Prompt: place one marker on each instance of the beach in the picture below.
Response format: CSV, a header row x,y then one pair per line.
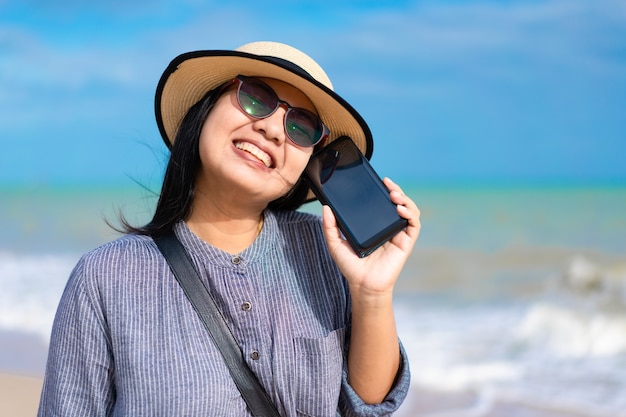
x,y
429,403
471,356
22,361
513,303
19,395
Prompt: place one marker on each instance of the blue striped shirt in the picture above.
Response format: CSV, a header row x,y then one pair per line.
x,y
126,341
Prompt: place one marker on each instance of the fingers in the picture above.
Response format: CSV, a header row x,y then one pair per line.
x,y
328,218
339,248
329,223
407,208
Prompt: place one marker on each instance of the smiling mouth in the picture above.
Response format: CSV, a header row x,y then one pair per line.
x,y
255,151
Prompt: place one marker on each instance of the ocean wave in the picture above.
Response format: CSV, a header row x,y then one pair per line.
x,y
572,332
582,314
30,290
536,353
597,285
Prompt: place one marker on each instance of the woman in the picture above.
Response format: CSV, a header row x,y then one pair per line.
x,y
313,320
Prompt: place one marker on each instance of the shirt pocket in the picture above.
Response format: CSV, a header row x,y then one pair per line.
x,y
317,373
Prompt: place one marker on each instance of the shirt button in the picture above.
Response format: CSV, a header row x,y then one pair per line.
x,y
246,306
255,355
235,260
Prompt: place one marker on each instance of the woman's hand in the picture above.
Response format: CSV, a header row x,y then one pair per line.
x,y
374,352
378,272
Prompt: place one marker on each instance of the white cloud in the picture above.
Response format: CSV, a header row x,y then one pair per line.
x,y
449,33
446,46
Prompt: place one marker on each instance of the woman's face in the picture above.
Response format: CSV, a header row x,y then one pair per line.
x,y
243,156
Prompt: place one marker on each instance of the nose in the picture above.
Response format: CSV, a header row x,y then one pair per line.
x,y
273,126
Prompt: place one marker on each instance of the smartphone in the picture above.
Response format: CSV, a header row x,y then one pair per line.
x,y
342,178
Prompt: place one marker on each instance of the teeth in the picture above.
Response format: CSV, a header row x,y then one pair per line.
x,y
253,150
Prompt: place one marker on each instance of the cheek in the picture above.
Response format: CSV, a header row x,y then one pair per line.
x,y
223,118
298,159
216,130
204,143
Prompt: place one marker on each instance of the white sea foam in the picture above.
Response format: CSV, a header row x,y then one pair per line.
x,y
565,350
571,332
584,313
459,348
30,289
594,285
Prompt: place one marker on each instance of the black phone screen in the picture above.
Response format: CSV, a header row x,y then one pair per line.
x,y
342,177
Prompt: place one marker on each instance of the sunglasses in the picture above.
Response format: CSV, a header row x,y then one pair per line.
x,y
257,99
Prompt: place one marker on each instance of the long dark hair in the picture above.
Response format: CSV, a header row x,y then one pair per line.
x,y
179,182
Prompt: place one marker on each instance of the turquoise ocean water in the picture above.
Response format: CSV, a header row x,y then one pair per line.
x,y
514,293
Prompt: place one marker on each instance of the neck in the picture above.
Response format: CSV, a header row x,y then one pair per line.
x,y
231,229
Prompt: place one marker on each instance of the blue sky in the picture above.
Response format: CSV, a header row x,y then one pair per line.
x,y
454,91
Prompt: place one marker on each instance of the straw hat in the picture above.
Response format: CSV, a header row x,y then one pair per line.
x,y
191,75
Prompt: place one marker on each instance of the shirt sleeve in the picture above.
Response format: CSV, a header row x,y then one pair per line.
x,y
79,371
351,405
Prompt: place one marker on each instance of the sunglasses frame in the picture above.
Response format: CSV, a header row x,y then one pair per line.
x,y
241,79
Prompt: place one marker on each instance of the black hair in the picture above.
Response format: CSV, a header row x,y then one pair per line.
x,y
179,183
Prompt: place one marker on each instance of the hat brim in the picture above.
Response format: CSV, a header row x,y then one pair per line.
x,y
191,75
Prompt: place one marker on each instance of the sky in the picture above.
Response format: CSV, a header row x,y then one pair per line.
x,y
453,90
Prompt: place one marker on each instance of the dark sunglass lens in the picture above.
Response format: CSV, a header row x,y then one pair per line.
x,y
256,98
303,127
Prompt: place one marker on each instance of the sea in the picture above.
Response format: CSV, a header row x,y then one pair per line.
x,y
513,293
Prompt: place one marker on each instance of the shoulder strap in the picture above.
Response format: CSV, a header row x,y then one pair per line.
x,y
187,276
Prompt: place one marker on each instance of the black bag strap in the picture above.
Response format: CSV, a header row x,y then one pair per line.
x,y
187,276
